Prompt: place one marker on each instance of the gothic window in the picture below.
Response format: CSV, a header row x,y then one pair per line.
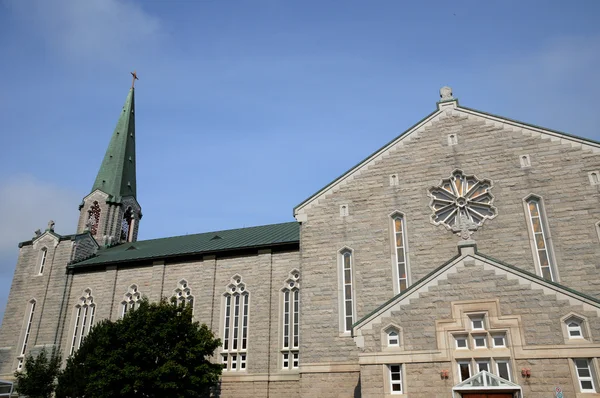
x,y
594,177
83,319
235,326
43,257
28,323
541,239
400,253
290,355
183,294
131,300
94,218
127,226
462,201
575,329
393,338
347,287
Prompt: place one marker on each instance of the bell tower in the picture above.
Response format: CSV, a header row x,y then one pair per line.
x,y
111,212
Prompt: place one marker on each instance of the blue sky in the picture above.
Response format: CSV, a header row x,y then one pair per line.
x,y
246,108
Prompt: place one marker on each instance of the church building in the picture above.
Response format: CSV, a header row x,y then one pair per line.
x,y
461,259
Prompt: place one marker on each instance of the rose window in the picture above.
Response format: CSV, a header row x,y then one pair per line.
x,y
462,201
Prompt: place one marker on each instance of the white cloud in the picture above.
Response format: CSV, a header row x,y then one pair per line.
x,y
98,30
28,204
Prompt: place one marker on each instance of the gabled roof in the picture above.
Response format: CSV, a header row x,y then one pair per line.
x,y
265,236
437,273
448,107
116,176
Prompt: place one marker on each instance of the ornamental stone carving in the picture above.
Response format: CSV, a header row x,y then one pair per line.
x,y
446,93
462,203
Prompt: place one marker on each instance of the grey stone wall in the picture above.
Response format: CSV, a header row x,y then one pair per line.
x,y
558,174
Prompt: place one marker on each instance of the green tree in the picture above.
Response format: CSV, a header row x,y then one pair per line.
x,y
154,351
38,377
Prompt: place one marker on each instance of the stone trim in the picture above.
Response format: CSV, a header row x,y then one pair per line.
x,y
330,367
232,377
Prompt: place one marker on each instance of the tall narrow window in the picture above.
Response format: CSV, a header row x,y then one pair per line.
x,y
183,294
290,355
401,266
94,218
127,226
584,375
131,300
28,323
235,326
540,238
85,311
347,304
43,256
395,373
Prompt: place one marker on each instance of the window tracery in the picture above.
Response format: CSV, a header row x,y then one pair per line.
x,y
127,225
400,252
541,239
131,299
28,324
84,319
462,198
290,346
94,218
43,257
347,290
235,325
183,294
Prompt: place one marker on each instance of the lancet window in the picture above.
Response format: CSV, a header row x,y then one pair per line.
x,y
235,325
83,319
290,355
183,294
400,252
127,226
94,217
541,238
347,287
28,325
131,300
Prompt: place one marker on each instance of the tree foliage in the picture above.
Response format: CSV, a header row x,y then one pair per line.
x,y
38,377
154,351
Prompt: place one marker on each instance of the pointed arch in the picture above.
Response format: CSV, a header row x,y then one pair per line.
x,y
43,258
540,237
290,321
183,294
400,260
235,322
346,292
83,319
131,299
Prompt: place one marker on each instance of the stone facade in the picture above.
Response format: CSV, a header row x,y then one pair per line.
x,y
499,279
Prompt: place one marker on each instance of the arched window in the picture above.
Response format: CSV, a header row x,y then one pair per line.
x,y
94,218
400,270
541,238
27,327
347,309
290,356
127,226
83,319
183,294
43,258
235,325
131,299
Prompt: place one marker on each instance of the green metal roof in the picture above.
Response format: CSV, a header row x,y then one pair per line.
x,y
264,236
116,176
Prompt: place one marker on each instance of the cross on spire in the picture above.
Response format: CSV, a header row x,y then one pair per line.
x,y
134,78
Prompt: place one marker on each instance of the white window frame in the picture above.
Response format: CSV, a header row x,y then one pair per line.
x,y
479,337
346,328
499,335
577,328
390,338
27,332
290,322
396,263
235,325
581,379
545,234
508,368
392,382
84,315
483,361
463,362
477,317
43,259
464,338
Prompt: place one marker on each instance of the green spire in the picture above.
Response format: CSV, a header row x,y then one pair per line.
x,y
116,176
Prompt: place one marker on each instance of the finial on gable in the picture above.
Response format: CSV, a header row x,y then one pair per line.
x,y
446,94
50,226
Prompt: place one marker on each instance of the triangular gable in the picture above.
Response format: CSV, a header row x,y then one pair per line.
x,y
469,253
448,108
485,381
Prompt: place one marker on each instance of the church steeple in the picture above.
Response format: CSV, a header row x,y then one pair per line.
x,y
111,211
116,176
